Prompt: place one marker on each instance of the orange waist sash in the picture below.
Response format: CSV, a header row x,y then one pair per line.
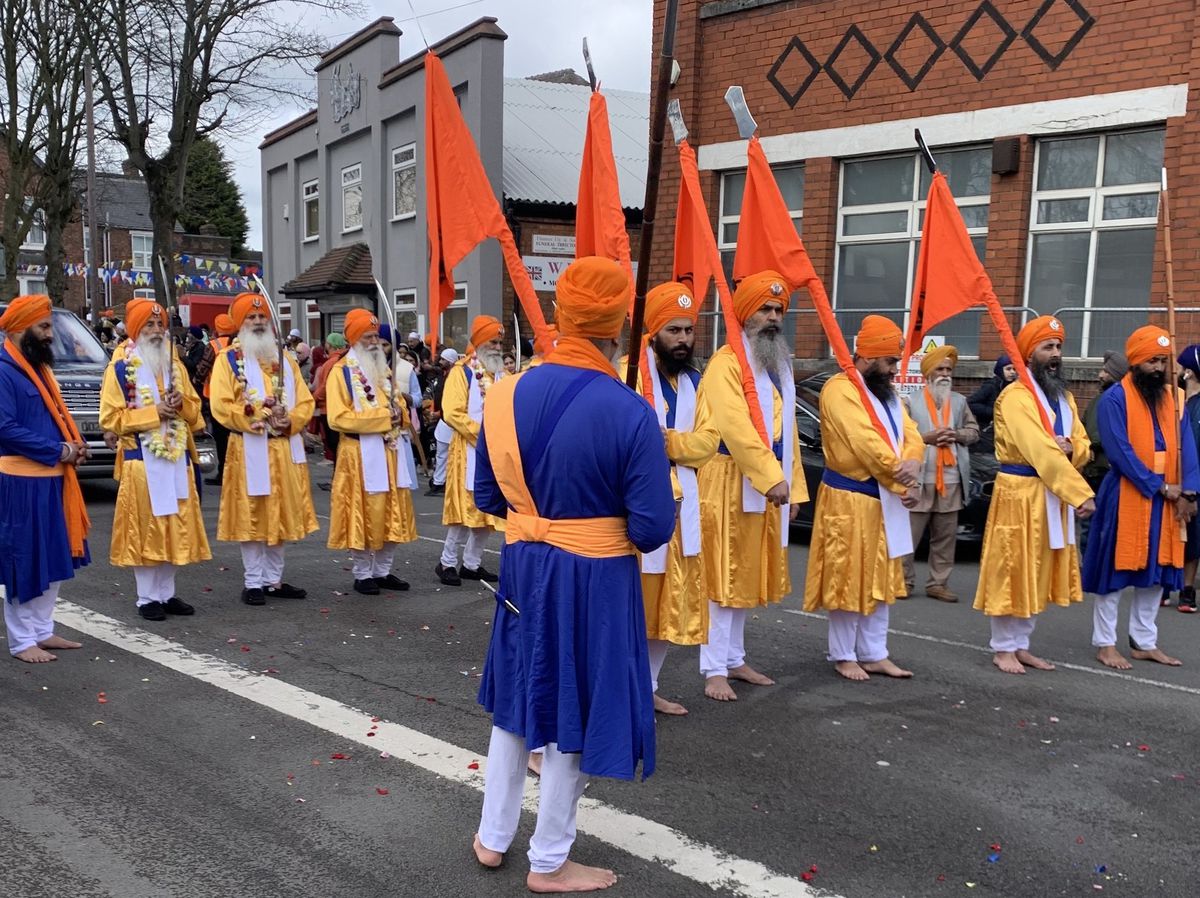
x,y
20,466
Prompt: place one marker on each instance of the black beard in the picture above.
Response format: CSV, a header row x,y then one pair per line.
x,y
1050,379
1151,384
670,361
36,351
880,384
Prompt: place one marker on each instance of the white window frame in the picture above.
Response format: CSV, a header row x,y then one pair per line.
x,y
403,158
1095,222
143,293
134,236
25,284
37,227
351,177
460,301
405,302
310,192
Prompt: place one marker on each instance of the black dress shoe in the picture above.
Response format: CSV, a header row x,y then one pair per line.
x,y
152,611
392,582
285,591
254,596
436,489
480,573
448,575
175,605
367,587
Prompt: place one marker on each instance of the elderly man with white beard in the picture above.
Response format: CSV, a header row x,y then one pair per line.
x,y
948,428
149,402
265,496
463,399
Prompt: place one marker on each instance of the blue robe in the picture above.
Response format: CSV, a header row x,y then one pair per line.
x,y
34,548
1099,572
573,667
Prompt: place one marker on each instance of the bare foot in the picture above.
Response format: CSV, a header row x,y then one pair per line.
x,y
35,655
571,877
1155,655
748,674
851,671
887,667
673,709
718,689
486,856
1110,657
1007,662
535,763
57,642
1031,660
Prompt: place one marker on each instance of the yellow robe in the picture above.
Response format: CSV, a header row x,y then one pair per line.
x,y
848,564
1019,574
358,519
138,537
745,564
459,506
287,513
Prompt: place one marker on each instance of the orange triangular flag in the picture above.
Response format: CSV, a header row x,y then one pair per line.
x,y
599,216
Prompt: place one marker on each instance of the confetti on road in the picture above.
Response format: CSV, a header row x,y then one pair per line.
x,y
380,791
339,756
474,765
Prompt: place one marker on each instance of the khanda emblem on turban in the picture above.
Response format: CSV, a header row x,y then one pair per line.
x,y
1054,324
685,301
1164,341
257,304
777,289
156,309
374,321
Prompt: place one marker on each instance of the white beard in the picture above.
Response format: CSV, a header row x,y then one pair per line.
x,y
940,390
155,353
492,360
769,352
262,346
373,363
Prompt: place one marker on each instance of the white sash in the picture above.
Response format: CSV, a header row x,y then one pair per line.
x,y
167,481
1054,518
689,514
372,449
254,445
475,413
754,502
896,526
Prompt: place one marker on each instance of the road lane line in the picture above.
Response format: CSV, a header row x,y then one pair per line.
x,y
638,836
1100,672
434,539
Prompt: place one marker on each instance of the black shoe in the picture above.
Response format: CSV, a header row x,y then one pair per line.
x,y
1187,600
480,573
215,480
176,605
367,587
153,611
436,489
391,582
285,591
448,575
254,596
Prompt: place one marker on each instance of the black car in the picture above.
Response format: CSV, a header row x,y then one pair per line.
x,y
971,519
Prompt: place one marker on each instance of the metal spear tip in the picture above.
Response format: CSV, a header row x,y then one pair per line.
x,y
587,60
675,117
735,97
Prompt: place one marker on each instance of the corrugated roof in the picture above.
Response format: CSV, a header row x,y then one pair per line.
x,y
544,126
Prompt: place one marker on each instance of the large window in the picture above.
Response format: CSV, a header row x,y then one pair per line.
x,y
36,238
454,327
880,215
408,319
27,285
404,182
352,198
142,246
1092,231
312,210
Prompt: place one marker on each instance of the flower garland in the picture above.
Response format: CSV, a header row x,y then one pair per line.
x,y
256,408
364,392
169,442
483,376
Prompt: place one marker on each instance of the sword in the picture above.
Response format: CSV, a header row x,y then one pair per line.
x,y
587,60
278,325
166,285
517,338
735,97
387,306
507,604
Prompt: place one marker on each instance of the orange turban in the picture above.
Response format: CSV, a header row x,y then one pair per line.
x,y
1147,342
484,329
137,314
1038,331
224,325
243,305
757,290
593,299
24,312
878,338
358,323
935,357
669,301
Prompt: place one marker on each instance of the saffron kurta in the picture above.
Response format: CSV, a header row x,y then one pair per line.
x,y
848,564
1019,574
572,668
358,519
139,538
745,562
287,513
459,504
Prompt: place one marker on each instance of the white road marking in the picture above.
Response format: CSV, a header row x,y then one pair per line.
x,y
630,833
1097,671
434,539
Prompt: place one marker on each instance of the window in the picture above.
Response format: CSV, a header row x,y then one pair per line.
x,y
407,317
1092,230
404,182
453,329
143,251
352,196
31,286
36,238
880,215
312,209
143,294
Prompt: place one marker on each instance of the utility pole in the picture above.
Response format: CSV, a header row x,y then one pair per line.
x,y
93,225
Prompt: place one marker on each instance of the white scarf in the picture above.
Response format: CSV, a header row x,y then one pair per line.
x,y
166,480
689,514
896,527
406,374
254,445
372,448
1054,516
754,502
475,413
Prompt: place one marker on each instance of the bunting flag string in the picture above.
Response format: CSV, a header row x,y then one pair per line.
x,y
119,275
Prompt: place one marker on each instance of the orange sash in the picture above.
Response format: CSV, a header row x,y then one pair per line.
x,y
74,508
1134,509
20,466
945,454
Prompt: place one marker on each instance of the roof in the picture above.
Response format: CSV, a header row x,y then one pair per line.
x,y
307,120
484,27
544,127
382,25
122,201
344,269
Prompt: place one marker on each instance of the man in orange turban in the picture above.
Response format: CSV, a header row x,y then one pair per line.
x,y
947,428
861,528
1144,502
224,326
43,521
463,396
1029,559
753,486
265,499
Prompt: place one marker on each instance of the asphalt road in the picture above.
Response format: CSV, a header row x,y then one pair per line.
x,y
207,768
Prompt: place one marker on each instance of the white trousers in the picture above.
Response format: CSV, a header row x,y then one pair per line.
x,y
726,646
1011,634
1143,618
155,583
29,623
439,464
561,786
859,637
263,565
471,539
373,564
658,654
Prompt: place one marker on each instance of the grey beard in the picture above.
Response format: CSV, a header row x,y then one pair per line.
x,y
492,361
373,364
940,391
156,355
262,347
769,351
1053,383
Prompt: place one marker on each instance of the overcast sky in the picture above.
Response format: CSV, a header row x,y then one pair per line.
x,y
543,35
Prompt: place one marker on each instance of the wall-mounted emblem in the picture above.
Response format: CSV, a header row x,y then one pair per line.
x,y
345,91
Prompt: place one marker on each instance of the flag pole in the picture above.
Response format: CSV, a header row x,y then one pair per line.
x,y
1172,365
658,122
